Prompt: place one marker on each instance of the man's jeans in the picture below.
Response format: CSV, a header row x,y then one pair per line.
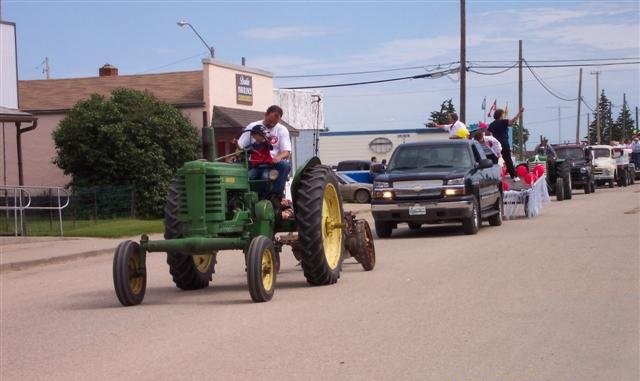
x,y
261,172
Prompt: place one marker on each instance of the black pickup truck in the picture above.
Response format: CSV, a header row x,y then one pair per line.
x,y
435,182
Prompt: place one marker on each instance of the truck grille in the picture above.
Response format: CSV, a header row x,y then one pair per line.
x,y
417,189
213,201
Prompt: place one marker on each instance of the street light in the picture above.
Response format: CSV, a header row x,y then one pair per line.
x,y
182,23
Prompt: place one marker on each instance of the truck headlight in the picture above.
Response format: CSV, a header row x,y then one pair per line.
x,y
381,185
456,181
583,170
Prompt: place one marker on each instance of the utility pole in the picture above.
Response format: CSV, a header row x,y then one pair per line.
x,y
624,116
588,126
637,121
463,63
521,121
579,103
597,74
46,70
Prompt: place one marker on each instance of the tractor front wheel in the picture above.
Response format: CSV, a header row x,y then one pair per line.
x,y
129,273
318,212
559,189
189,272
261,269
366,251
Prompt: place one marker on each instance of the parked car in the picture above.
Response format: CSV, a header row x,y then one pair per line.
x,y
353,191
434,182
358,170
605,167
580,162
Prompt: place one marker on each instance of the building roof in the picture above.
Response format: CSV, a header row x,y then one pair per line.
x,y
227,117
385,132
15,115
178,88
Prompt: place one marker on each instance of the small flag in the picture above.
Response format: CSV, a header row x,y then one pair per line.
x,y
484,104
493,107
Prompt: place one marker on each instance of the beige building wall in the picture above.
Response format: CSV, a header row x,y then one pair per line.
x,y
38,153
339,147
220,86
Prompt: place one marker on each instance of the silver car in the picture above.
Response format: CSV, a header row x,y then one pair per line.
x,y
353,191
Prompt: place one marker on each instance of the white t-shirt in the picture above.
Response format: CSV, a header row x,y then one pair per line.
x,y
278,137
493,144
453,129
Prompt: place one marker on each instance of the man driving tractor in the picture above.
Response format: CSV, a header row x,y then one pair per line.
x,y
277,136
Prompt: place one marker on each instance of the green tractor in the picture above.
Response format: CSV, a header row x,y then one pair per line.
x,y
212,205
558,175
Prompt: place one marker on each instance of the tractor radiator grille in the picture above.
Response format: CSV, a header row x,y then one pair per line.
x,y
213,201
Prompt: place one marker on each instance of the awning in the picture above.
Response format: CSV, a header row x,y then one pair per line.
x,y
227,117
12,115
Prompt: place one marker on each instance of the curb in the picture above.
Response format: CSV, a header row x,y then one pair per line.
x,y
18,266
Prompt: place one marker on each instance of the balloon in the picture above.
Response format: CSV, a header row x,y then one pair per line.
x,y
505,185
528,178
483,126
462,133
521,170
539,168
504,171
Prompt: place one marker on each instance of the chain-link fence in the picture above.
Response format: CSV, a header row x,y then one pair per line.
x,y
35,212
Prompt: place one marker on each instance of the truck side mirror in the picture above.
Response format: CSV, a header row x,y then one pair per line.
x,y
485,163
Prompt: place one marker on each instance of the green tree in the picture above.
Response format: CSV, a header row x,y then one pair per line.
x,y
515,130
130,138
606,122
624,126
441,117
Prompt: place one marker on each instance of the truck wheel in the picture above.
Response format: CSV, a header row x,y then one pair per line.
x,y
362,196
496,219
129,281
471,224
383,229
559,189
587,187
593,185
189,272
261,269
366,251
319,221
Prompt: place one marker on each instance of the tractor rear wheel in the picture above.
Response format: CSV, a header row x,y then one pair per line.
x,y
129,276
189,272
318,213
261,269
559,189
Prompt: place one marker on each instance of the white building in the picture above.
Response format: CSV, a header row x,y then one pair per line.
x,y
362,145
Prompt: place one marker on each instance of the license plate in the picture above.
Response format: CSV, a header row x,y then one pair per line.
x,y
417,210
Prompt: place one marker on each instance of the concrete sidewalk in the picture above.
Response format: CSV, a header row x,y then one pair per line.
x,y
17,253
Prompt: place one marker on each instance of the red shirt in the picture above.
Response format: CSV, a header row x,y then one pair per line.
x,y
260,154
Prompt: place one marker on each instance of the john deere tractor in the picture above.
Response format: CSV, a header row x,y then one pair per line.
x,y
213,205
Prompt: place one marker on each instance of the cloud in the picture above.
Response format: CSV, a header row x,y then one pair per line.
x,y
601,36
286,32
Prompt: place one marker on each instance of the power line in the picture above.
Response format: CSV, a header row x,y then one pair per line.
x,y
419,76
495,73
436,66
563,65
567,60
172,63
545,86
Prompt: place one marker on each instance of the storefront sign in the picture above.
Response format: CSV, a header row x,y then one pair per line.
x,y
244,90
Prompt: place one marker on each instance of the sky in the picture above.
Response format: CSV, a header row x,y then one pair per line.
x,y
319,37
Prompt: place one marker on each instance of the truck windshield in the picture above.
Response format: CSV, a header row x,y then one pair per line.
x,y
431,158
574,153
601,152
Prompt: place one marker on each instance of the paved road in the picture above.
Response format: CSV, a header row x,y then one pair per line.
x,y
553,298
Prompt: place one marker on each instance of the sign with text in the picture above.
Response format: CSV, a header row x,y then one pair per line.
x,y
244,90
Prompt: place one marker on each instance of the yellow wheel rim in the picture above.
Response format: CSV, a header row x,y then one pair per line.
x,y
268,270
331,226
202,262
135,279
